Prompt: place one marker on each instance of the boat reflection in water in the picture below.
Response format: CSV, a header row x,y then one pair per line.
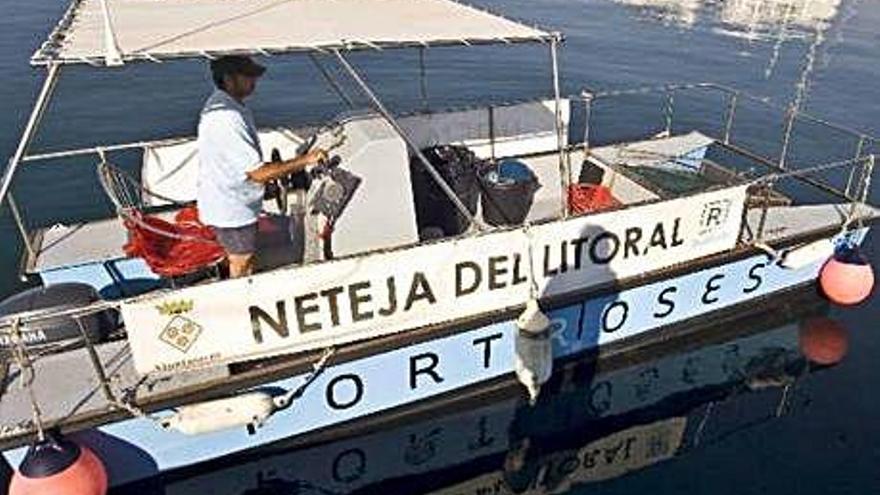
x,y
598,419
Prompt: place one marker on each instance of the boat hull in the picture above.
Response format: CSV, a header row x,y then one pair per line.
x,y
670,385
138,448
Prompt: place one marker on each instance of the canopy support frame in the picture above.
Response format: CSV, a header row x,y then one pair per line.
x,y
112,54
334,85
18,219
97,41
30,130
423,78
587,98
564,169
435,175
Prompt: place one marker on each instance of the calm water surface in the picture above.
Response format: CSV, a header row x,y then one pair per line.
x,y
766,47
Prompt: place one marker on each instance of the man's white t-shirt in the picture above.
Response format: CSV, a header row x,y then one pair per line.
x,y
228,147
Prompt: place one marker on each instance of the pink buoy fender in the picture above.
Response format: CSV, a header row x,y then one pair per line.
x,y
847,278
58,466
823,340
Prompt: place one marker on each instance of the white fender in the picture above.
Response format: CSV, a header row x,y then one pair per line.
x,y
534,350
532,320
801,256
247,410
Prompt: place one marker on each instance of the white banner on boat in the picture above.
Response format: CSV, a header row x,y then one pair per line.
x,y
314,306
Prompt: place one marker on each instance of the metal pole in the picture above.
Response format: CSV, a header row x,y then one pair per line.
x,y
29,129
19,223
423,78
96,363
731,112
668,112
492,133
868,172
786,137
862,195
112,54
764,208
332,82
109,148
852,170
564,174
415,149
27,377
588,114
774,166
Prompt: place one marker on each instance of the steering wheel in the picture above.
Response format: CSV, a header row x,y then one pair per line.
x,y
279,188
306,145
301,180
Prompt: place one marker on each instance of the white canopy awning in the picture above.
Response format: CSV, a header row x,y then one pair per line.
x,y
115,31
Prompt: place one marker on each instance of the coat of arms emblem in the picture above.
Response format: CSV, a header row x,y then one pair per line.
x,y
180,332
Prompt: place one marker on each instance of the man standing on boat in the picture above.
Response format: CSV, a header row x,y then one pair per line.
x,y
232,173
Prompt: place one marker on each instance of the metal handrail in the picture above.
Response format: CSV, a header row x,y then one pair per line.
x,y
38,315
728,90
865,160
132,145
735,97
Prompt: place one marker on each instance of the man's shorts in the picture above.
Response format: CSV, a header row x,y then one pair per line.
x,y
238,240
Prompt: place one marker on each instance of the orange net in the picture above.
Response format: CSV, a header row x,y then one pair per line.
x,y
172,249
583,198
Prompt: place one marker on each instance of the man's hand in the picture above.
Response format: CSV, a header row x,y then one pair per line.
x,y
318,155
275,170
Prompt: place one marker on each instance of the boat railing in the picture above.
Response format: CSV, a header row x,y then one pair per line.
x,y
310,125
844,177
735,101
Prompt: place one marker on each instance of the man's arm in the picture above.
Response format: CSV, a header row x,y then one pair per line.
x,y
274,170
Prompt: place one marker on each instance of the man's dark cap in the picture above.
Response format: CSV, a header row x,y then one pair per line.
x,y
235,64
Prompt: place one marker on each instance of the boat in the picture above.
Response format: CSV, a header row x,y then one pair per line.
x,y
601,419
435,251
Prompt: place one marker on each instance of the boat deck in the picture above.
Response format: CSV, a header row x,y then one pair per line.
x,y
66,385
